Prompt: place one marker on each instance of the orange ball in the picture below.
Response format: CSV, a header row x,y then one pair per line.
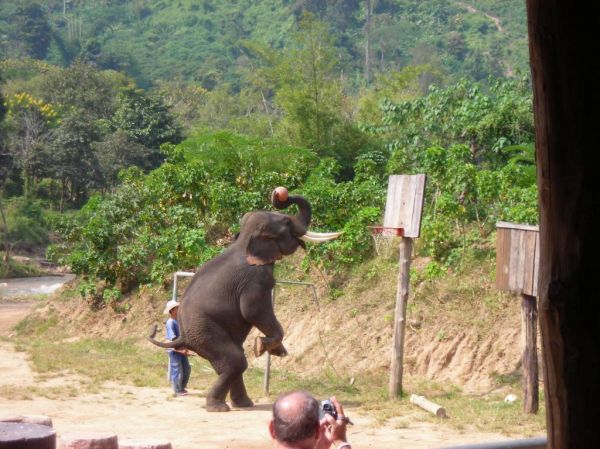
x,y
281,193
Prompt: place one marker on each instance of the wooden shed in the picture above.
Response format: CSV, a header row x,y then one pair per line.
x,y
517,258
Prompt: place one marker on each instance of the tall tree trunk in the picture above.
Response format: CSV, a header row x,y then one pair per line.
x,y
368,42
6,244
565,72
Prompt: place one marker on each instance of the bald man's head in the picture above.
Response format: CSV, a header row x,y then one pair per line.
x,y
295,417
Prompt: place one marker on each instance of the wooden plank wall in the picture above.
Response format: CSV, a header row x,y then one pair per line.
x,y
517,258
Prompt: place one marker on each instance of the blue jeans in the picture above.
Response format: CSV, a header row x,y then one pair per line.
x,y
180,371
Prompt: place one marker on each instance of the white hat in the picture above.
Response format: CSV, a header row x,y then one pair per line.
x,y
170,305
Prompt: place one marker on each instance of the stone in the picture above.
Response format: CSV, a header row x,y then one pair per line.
x,y
89,440
16,435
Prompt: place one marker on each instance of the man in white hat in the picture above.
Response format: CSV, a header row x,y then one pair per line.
x,y
178,359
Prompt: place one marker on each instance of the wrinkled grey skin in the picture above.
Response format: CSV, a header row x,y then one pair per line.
x,y
232,293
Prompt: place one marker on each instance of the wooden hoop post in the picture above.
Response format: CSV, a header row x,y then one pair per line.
x,y
529,360
402,289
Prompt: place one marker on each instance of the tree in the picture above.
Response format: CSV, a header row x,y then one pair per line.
x,y
83,88
5,163
315,106
308,91
33,30
29,121
145,119
72,159
117,152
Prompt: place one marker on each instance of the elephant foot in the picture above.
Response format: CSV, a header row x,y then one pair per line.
x,y
278,351
242,403
214,405
260,347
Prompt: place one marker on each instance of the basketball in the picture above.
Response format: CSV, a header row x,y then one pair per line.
x,y
281,193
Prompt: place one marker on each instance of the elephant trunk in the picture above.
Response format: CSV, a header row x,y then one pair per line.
x,y
304,210
303,218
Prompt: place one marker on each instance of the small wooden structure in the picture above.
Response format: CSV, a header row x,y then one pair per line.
x,y
403,210
517,266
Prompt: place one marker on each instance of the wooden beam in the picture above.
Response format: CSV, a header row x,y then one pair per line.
x,y
564,45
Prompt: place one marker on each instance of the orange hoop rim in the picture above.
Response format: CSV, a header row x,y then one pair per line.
x,y
386,230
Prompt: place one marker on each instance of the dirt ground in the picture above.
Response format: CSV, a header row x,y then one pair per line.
x,y
133,412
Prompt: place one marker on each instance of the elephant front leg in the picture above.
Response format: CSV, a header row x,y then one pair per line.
x,y
257,309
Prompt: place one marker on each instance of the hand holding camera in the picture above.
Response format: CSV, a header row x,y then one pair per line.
x,y
328,408
333,425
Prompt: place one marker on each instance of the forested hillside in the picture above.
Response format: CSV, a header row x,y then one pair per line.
x,y
205,41
135,134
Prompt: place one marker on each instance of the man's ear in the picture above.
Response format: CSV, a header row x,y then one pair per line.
x,y
261,250
272,429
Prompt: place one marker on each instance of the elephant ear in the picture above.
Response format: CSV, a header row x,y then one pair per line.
x,y
262,250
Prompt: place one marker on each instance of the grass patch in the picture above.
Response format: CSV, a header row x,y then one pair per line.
x,y
30,393
128,363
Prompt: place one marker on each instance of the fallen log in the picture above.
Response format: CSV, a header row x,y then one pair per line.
x,y
431,407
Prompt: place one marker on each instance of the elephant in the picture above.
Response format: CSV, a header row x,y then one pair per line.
x,y
231,293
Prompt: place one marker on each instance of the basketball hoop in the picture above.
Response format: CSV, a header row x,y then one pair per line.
x,y
386,240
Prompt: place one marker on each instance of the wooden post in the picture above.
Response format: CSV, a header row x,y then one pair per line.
x,y
562,36
529,360
406,245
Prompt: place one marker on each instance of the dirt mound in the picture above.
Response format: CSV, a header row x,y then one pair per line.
x,y
353,339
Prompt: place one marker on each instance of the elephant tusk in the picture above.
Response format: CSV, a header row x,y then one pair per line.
x,y
320,235
308,238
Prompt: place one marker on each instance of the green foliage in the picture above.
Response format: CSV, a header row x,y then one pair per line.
x,y
200,41
32,29
348,205
172,218
474,147
144,119
73,133
26,222
487,122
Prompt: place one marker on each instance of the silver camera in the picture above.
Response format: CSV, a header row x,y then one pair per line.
x,y
327,407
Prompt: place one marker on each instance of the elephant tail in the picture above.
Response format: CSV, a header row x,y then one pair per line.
x,y
178,343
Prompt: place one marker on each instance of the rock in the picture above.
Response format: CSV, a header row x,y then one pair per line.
x,y
509,399
144,443
16,435
89,440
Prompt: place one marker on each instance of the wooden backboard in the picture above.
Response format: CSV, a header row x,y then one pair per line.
x,y
404,205
517,258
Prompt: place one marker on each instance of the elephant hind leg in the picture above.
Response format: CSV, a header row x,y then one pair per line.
x,y
229,364
238,394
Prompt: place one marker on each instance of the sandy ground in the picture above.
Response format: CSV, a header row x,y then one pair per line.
x,y
132,412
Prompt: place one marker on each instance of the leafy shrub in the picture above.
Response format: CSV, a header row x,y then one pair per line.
x,y
27,224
